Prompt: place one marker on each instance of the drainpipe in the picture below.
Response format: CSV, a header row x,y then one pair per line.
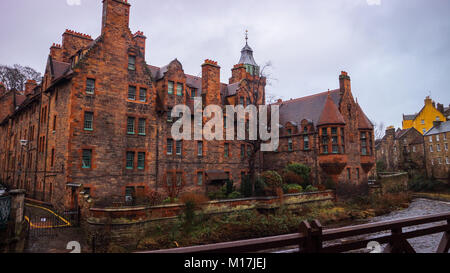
x,y
46,142
37,146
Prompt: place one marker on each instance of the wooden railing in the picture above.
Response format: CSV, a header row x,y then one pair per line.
x,y
312,238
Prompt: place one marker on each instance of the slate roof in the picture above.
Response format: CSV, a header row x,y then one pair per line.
x,y
409,117
442,128
330,113
309,107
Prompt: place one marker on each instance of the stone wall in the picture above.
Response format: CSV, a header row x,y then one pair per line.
x,y
127,225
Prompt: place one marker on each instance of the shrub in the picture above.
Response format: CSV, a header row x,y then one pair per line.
x,y
311,188
290,177
303,171
234,195
272,180
192,202
420,184
246,187
381,166
292,188
329,184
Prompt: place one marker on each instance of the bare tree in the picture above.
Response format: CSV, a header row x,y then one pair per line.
x,y
14,77
254,85
379,130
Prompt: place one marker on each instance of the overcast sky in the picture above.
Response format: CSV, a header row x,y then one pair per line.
x,y
396,51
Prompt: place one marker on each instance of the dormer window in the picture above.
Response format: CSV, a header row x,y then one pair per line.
x,y
131,62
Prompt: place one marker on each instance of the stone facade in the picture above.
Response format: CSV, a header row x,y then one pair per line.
x,y
329,132
401,150
436,142
99,124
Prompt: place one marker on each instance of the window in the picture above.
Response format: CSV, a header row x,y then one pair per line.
x,y
52,161
306,142
431,148
444,136
242,150
179,144
438,119
430,139
194,92
241,100
424,131
129,195
88,121
363,143
169,115
305,130
142,94
438,147
414,149
130,160
422,121
199,178
54,124
132,92
249,150
357,173
170,87
437,137
290,145
446,146
130,125
131,62
179,179
179,89
141,160
90,86
87,159
447,160
224,122
141,126
226,149
289,131
200,148
432,162
439,160
169,179
170,146
349,175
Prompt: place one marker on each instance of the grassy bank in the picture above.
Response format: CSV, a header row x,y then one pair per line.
x,y
206,229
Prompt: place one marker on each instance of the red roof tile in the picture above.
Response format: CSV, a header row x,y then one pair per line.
x,y
330,113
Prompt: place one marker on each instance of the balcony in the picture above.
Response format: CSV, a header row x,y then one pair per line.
x,y
367,162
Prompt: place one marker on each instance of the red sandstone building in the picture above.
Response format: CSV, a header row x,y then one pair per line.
x,y
99,123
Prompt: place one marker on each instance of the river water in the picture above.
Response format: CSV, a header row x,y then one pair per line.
x,y
419,207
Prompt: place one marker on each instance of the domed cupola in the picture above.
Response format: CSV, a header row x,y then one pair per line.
x,y
247,58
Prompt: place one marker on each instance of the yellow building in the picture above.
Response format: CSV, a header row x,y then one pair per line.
x,y
423,121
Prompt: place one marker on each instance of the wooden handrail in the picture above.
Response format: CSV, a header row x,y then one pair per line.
x,y
311,237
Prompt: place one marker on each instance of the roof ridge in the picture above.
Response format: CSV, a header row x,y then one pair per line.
x,y
309,96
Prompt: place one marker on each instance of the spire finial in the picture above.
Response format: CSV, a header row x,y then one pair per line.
x,y
246,36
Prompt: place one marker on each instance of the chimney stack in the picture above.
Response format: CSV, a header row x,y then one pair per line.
x,y
30,85
344,83
211,82
116,15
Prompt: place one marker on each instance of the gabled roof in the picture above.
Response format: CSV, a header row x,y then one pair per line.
x,y
443,127
310,107
409,117
330,113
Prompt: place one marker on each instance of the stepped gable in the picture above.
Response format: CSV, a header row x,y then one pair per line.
x,y
309,107
330,113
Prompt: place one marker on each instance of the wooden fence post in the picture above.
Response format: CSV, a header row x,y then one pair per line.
x,y
444,245
305,245
317,236
398,244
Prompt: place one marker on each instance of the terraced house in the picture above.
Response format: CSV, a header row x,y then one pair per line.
x,y
100,123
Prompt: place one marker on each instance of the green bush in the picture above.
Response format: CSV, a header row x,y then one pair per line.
x,y
311,188
272,180
246,187
303,171
381,166
234,195
421,184
292,188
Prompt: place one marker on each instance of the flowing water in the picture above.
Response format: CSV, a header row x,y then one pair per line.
x,y
419,207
